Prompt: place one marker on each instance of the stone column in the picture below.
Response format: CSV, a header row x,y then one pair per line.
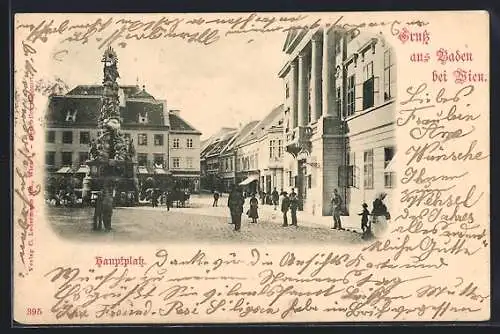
x,y
328,89
303,104
293,94
316,55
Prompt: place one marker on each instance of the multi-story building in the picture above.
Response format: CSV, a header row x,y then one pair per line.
x,y
210,158
184,144
339,117
259,154
227,157
72,124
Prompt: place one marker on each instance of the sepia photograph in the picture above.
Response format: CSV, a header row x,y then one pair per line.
x,y
307,158
243,168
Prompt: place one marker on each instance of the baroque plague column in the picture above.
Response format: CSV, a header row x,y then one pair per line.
x,y
111,157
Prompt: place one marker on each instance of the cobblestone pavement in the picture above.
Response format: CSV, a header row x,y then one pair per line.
x,y
199,222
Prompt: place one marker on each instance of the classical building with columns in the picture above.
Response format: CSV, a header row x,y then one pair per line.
x,y
339,117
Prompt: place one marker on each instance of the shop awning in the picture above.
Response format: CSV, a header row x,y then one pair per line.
x,y
83,169
160,171
64,170
142,170
248,180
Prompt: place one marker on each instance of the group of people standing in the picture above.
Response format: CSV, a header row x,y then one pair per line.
x,y
236,201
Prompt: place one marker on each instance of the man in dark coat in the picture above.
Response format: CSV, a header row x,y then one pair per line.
x,y
107,209
275,197
294,205
336,208
285,204
235,203
98,218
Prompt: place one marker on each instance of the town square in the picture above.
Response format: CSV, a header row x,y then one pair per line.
x,y
314,164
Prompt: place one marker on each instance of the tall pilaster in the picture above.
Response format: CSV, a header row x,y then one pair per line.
x,y
293,94
328,74
303,103
316,73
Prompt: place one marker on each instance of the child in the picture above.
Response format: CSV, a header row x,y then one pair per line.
x,y
364,217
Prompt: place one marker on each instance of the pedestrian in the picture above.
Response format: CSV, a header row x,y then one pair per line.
x,y
380,214
275,197
154,198
253,211
235,203
285,204
216,198
364,217
336,207
97,225
294,205
107,209
168,200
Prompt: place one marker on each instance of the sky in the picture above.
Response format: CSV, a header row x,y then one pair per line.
x,y
226,83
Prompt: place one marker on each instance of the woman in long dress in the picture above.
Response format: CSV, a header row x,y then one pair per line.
x,y
253,211
379,215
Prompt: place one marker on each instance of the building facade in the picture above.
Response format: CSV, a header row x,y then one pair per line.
x,y
210,159
339,131
259,155
184,144
71,124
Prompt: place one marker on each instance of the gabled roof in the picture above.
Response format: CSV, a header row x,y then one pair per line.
x,y
85,101
209,141
218,143
272,120
142,95
177,123
243,132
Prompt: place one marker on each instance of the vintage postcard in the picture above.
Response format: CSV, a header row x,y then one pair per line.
x,y
251,167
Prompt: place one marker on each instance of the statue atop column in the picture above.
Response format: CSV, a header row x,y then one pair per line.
x,y
110,138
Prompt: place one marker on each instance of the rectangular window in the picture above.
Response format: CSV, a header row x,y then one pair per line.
x,y
389,176
142,139
51,136
387,75
158,159
271,148
287,90
280,148
142,159
368,169
368,86
67,158
82,157
351,95
67,137
50,158
84,137
158,139
289,179
230,164
189,162
175,143
309,181
189,143
176,162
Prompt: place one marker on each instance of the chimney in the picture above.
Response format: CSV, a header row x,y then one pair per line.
x,y
165,112
175,111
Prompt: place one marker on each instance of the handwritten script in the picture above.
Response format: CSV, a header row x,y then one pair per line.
x,y
295,285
